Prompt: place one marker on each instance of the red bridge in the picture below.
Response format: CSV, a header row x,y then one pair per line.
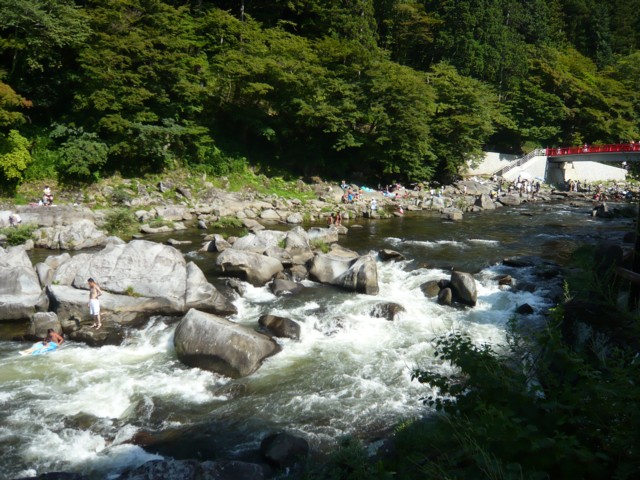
x,y
618,152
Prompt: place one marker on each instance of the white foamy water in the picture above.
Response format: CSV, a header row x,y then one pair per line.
x,y
350,373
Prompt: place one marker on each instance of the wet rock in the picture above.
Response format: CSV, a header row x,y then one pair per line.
x,y
430,289
358,274
202,225
280,326
524,261
452,214
111,333
164,469
464,288
285,287
297,273
212,343
284,450
445,296
385,255
505,280
57,476
524,309
387,310
231,470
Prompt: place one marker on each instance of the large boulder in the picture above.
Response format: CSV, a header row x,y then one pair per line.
x,y
362,276
212,343
430,288
70,304
20,292
359,274
156,273
202,295
464,288
255,268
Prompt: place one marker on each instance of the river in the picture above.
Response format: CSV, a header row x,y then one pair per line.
x,y
349,374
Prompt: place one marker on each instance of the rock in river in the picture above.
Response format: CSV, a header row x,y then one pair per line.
x,y
212,343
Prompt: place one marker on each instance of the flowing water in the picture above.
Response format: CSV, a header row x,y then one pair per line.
x,y
350,374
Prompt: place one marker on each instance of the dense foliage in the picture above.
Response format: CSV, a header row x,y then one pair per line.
x,y
409,89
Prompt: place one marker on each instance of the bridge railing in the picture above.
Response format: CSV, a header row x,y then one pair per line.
x,y
520,161
612,148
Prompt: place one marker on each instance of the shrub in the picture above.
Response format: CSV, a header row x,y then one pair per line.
x,y
120,222
18,235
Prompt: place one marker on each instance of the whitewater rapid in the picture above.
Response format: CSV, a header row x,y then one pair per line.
x,y
350,373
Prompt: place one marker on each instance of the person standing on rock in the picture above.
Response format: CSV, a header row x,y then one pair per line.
x,y
94,303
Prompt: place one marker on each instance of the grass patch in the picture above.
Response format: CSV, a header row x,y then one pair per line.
x,y
160,222
130,291
321,245
247,179
227,222
18,235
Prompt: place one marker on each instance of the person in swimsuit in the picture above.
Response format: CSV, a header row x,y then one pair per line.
x,y
53,336
94,303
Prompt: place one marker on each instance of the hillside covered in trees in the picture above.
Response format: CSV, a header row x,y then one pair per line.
x,y
408,89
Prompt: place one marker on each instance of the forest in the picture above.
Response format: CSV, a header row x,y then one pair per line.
x,y
380,89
